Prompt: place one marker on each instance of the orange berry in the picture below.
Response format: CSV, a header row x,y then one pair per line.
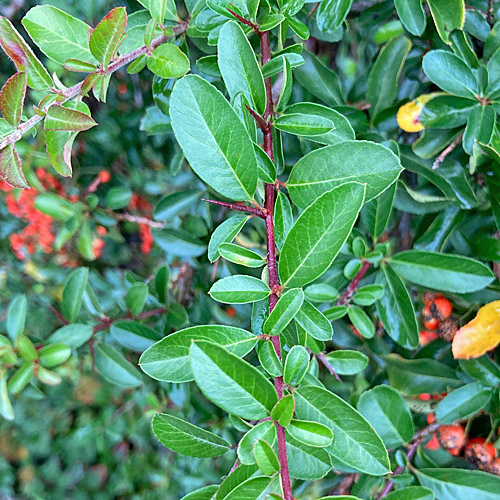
x,y
433,443
101,230
424,396
426,336
431,418
430,322
480,453
104,176
452,437
231,312
441,308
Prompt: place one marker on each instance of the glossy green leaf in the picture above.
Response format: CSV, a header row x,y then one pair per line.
x,y
225,161
205,493
412,15
283,410
115,368
311,433
231,383
283,219
416,376
306,462
63,118
303,124
267,169
448,15
314,322
389,415
321,292
296,364
23,57
411,493
54,355
360,161
480,125
450,73
174,204
136,297
12,98
285,310
6,409
16,316
356,443
254,488
59,35
332,13
73,336
133,335
168,359
396,310
347,362
72,295
240,255
361,321
446,111
382,85
483,369
265,457
168,61
106,36
269,359
187,439
463,402
239,68
239,289
11,170
326,223
449,273
286,85
264,430
450,484
226,232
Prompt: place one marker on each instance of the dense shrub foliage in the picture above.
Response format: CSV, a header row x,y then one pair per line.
x,y
271,228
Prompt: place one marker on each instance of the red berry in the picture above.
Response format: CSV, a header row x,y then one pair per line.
x,y
433,443
431,418
424,396
441,308
104,176
430,322
480,453
452,437
426,336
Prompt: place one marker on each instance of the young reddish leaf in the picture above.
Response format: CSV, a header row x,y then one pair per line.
x,y
23,57
62,118
88,83
479,335
12,98
79,66
10,168
106,37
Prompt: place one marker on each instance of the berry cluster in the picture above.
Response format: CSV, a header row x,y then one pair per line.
x,y
436,316
140,204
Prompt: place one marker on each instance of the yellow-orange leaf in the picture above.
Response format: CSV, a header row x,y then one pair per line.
x,y
409,113
479,335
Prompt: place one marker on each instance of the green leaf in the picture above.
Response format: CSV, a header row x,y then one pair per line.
x,y
175,204
448,15
450,73
168,359
254,488
72,295
285,310
412,15
296,364
416,376
347,362
327,222
483,369
446,111
12,98
361,321
265,457
376,214
54,355
168,61
264,430
133,335
205,493
382,85
106,36
73,336
306,462
449,273
450,484
314,322
156,8
63,118
58,35
136,297
269,359
6,409
286,84
231,383
23,57
283,410
356,443
267,169
311,433
187,439
213,138
239,255
323,169
11,170
239,289
411,493
389,414
115,368
239,68
463,402
303,124
321,292
16,316
342,130
275,65
480,126
332,13
179,242
321,81
290,7
283,219
395,309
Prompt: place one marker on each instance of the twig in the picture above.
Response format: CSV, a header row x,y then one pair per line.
x,y
242,208
138,219
260,121
246,22
328,366
75,90
446,152
58,314
344,298
107,322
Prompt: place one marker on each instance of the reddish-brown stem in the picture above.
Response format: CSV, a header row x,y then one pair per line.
x,y
107,322
246,22
271,261
58,314
328,366
447,151
344,298
260,121
235,206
